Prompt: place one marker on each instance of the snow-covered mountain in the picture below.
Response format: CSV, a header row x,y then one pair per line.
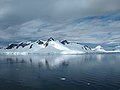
x,y
50,46
99,49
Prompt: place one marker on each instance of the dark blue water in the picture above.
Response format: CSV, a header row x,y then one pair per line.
x,y
65,72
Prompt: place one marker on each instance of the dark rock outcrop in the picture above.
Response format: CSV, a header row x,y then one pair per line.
x,y
65,42
22,44
10,46
39,42
50,39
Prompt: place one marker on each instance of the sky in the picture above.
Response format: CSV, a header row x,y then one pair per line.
x,y
87,21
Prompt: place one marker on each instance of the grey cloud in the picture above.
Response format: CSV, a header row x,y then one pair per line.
x,y
31,19
56,9
91,31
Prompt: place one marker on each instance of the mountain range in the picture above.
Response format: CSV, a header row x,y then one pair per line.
x,y
51,46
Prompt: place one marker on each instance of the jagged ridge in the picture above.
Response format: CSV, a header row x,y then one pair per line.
x,y
51,46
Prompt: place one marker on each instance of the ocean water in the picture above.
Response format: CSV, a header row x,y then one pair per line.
x,y
60,72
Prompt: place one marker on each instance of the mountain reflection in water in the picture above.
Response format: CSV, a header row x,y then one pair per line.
x,y
66,72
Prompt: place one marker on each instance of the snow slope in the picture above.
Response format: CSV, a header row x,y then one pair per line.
x,y
51,46
100,49
43,47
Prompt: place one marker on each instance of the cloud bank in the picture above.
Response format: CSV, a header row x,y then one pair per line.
x,y
95,21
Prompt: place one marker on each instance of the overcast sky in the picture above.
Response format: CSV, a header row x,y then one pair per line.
x,y
22,19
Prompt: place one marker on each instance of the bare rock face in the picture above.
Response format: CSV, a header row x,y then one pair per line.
x,y
65,42
10,46
39,42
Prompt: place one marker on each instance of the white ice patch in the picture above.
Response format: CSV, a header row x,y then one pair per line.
x,y
54,47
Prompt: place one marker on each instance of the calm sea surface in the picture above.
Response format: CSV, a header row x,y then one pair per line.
x,y
60,72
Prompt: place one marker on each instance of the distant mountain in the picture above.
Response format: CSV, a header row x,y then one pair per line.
x,y
99,49
50,46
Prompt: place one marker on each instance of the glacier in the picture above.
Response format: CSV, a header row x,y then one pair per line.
x,y
51,46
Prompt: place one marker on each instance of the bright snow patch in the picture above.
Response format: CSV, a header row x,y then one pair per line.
x,y
51,46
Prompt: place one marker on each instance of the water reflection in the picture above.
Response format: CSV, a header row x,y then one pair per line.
x,y
40,61
51,62
98,71
57,61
